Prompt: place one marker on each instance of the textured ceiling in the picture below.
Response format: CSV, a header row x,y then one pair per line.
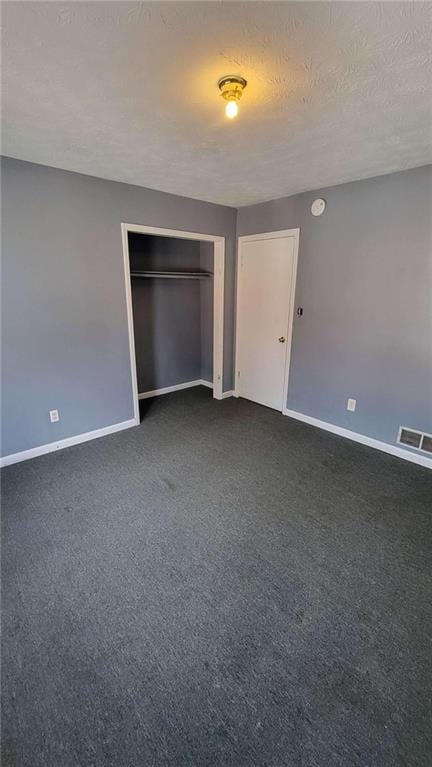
x,y
127,91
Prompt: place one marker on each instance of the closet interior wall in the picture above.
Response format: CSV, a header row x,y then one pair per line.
x,y
173,318
206,310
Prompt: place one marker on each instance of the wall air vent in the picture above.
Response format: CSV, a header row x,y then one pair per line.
x,y
416,439
411,438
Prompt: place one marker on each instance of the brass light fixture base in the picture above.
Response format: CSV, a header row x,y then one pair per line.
x,y
232,87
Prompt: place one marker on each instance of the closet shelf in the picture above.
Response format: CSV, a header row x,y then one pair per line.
x,y
173,275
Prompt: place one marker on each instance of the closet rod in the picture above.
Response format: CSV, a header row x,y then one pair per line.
x,y
173,275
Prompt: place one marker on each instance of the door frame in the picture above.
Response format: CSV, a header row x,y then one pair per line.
x,y
218,300
281,234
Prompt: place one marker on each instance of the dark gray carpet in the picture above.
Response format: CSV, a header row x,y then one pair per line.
x,y
219,586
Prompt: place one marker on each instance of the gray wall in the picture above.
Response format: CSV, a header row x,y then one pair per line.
x,y
206,307
167,313
65,342
365,282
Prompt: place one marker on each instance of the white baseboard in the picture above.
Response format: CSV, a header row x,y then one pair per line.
x,y
226,394
187,385
422,460
51,447
176,387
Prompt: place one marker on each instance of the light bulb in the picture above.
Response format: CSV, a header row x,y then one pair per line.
x,y
231,109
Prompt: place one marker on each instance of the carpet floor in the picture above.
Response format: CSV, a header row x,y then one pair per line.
x,y
220,586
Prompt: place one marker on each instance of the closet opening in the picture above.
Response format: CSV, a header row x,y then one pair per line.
x,y
174,292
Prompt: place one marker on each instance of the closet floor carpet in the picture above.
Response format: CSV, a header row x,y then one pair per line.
x,y
218,586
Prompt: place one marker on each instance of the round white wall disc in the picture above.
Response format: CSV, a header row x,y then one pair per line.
x,y
318,207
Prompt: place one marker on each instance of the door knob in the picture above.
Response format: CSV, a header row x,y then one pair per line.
x,y
282,339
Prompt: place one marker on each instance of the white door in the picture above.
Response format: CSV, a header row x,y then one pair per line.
x,y
265,296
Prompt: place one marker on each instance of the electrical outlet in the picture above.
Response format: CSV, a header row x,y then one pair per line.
x,y
351,405
54,416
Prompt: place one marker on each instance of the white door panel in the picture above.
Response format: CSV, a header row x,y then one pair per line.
x,y
266,272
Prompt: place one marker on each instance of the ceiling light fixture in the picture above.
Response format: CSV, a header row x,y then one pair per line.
x,y
231,88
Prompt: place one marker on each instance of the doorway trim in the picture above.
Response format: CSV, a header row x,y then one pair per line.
x,y
281,234
218,300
